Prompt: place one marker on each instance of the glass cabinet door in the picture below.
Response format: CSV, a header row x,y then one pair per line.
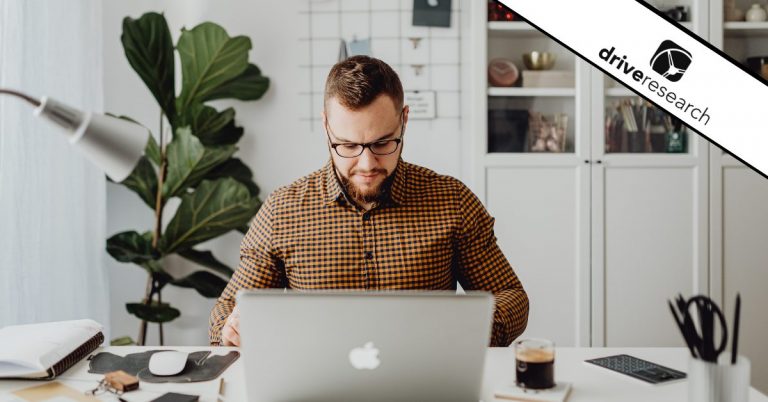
x,y
633,125
532,87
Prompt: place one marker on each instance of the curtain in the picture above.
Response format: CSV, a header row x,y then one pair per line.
x,y
52,200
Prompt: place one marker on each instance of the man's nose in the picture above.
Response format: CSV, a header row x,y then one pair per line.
x,y
367,160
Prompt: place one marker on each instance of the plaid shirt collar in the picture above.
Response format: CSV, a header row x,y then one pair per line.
x,y
334,190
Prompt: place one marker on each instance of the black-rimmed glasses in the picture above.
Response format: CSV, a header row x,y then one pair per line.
x,y
381,147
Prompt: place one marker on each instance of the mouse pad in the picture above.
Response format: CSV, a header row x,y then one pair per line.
x,y
201,366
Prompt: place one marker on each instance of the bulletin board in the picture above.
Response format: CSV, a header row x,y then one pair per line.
x,y
427,59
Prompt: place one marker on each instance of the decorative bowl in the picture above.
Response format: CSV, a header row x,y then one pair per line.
x,y
539,60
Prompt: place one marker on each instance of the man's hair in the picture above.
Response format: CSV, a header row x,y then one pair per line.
x,y
357,81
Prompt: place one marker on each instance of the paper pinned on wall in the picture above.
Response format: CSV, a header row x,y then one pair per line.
x,y
432,13
421,104
360,47
342,51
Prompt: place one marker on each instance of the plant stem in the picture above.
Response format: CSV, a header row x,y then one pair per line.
x,y
159,197
160,324
147,300
151,289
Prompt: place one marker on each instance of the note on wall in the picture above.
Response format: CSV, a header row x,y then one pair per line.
x,y
421,104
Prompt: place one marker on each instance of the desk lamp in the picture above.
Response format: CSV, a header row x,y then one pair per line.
x,y
114,145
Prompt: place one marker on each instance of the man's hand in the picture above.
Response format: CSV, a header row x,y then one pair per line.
x,y
230,332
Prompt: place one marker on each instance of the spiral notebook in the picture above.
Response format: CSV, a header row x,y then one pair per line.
x,y
44,351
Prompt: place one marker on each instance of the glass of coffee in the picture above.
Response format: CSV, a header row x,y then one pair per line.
x,y
535,363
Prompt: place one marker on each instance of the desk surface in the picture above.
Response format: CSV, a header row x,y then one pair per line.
x,y
590,383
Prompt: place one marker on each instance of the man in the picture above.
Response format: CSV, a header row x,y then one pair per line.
x,y
370,221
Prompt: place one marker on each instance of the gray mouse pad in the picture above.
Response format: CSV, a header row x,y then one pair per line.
x,y
201,366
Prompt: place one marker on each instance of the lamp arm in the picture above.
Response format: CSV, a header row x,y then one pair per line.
x,y
26,97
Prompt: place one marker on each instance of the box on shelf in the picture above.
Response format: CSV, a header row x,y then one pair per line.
x,y
548,79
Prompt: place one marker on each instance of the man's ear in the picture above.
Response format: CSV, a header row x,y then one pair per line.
x,y
323,119
406,109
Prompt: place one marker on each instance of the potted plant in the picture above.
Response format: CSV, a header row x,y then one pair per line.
x,y
193,161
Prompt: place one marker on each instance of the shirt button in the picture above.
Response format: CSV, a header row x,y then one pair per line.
x,y
368,255
366,217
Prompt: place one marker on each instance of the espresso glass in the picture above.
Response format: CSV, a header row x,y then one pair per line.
x,y
535,363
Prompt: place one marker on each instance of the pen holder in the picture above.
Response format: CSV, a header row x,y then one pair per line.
x,y
718,382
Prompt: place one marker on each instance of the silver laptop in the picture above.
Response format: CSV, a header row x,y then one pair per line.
x,y
356,346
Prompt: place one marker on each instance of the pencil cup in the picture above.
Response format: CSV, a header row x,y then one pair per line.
x,y
722,382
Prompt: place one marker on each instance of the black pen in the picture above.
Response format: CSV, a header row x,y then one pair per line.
x,y
683,329
735,342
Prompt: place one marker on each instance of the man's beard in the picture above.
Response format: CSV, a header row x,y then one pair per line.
x,y
366,196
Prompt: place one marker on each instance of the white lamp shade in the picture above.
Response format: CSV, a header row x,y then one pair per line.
x,y
114,145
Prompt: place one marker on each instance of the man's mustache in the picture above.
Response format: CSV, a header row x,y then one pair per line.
x,y
368,172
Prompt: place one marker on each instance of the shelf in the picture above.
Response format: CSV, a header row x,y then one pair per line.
x,y
520,28
619,92
519,91
745,29
512,29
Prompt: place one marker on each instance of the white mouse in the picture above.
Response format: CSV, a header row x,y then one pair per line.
x,y
167,363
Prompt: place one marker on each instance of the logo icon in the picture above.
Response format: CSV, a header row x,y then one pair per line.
x,y
365,358
671,60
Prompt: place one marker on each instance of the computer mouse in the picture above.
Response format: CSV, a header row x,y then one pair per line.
x,y
167,363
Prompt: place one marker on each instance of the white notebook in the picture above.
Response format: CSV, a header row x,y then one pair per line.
x,y
46,350
559,393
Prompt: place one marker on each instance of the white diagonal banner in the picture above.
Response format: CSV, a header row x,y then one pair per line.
x,y
673,69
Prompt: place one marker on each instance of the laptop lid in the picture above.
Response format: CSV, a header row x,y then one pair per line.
x,y
372,346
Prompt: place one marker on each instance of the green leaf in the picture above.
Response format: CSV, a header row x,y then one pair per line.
x,y
250,85
189,161
214,208
153,267
155,312
131,247
149,48
143,181
122,341
206,122
206,283
206,259
230,134
161,278
209,59
153,151
236,169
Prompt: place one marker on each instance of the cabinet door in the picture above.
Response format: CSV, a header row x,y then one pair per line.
x,y
542,226
649,244
649,225
740,256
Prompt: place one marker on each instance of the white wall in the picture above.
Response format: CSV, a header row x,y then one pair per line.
x,y
277,145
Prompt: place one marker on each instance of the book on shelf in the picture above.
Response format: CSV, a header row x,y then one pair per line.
x,y
548,79
44,351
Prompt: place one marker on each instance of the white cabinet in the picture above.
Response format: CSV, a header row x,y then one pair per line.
x,y
603,232
739,212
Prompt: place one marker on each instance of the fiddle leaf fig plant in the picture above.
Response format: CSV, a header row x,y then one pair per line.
x,y
193,162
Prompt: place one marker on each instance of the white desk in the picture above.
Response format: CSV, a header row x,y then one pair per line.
x,y
590,383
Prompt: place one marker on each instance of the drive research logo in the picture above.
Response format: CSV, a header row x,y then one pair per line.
x,y
671,60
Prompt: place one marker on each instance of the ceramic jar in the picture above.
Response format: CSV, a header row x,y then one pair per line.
x,y
757,13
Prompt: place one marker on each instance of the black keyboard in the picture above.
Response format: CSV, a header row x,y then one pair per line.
x,y
638,368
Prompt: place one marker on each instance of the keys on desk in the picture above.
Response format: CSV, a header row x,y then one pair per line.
x,y
116,382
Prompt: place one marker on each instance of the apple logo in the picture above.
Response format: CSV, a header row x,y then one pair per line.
x,y
365,358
